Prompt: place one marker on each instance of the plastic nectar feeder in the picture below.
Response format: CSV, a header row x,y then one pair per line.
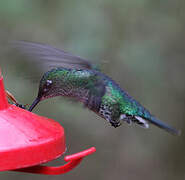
x,y
28,140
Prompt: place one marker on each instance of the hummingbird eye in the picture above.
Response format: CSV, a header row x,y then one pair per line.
x,y
49,82
47,85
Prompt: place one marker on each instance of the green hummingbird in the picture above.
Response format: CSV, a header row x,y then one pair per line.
x,y
77,78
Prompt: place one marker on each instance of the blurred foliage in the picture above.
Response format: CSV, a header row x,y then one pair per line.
x,y
141,45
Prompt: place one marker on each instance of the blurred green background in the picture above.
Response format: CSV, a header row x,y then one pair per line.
x,y
141,45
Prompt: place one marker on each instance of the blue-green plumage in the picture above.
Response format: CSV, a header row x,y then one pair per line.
x,y
76,78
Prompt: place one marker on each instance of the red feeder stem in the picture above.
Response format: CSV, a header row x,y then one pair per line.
x,y
28,140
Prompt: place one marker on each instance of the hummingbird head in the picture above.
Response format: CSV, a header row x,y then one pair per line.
x,y
48,88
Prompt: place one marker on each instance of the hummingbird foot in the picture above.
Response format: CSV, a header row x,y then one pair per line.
x,y
126,118
115,123
141,122
134,119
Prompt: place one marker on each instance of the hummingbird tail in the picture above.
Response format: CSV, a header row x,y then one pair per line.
x,y
164,126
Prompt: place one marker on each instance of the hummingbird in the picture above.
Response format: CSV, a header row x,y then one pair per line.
x,y
77,78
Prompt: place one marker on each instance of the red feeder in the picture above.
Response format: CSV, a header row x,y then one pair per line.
x,y
28,140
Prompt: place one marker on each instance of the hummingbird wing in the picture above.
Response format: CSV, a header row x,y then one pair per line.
x,y
96,92
51,56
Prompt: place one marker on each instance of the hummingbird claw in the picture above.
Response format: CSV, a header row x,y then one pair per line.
x,y
126,118
115,124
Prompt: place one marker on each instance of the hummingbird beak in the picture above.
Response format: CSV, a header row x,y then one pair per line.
x,y
37,100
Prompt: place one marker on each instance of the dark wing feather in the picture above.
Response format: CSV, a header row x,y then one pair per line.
x,y
51,56
96,92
